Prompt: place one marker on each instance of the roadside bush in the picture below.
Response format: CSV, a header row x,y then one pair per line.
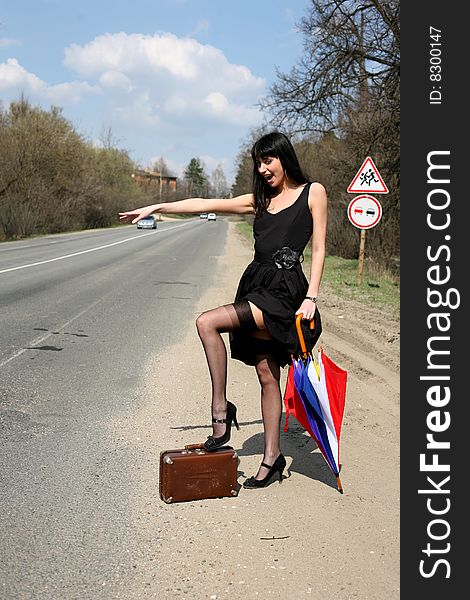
x,y
52,179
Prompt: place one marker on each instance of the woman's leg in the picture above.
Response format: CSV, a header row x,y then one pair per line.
x,y
210,325
269,372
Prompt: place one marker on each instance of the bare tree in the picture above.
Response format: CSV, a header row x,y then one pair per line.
x,y
107,138
349,46
218,183
161,166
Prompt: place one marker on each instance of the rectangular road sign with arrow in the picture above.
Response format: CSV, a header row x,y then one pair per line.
x,y
368,179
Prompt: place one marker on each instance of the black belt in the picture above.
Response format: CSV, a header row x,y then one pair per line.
x,y
283,258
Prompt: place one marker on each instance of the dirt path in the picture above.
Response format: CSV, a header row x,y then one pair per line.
x,y
301,539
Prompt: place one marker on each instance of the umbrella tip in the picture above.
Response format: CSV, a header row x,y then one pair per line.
x,y
340,487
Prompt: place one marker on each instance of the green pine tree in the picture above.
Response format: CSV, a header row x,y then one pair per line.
x,y
195,178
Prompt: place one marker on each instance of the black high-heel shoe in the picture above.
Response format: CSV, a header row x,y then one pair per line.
x,y
212,443
277,467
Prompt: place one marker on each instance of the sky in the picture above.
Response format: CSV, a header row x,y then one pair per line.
x,y
172,78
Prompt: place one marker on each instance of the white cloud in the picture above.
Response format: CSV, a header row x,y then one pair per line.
x,y
150,78
202,27
155,91
218,107
180,76
115,80
12,75
135,54
7,42
140,111
217,101
70,93
16,79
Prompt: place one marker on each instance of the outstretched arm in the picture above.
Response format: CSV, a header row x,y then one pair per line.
x,y
318,207
239,205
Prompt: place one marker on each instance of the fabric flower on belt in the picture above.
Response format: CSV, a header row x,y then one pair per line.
x,y
285,258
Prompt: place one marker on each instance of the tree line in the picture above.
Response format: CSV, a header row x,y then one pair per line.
x,y
53,179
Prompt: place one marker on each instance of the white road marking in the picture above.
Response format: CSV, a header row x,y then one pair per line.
x,y
40,339
43,262
5,246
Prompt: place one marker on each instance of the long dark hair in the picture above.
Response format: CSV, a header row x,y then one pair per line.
x,y
275,145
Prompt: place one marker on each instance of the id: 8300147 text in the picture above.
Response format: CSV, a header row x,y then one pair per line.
x,y
435,65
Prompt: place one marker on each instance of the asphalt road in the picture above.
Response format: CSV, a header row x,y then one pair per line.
x,y
80,315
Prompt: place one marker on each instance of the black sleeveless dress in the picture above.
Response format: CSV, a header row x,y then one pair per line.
x,y
278,291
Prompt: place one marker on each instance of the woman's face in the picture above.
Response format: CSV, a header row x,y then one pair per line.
x,y
271,170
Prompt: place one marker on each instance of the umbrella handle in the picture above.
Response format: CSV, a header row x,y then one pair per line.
x,y
298,320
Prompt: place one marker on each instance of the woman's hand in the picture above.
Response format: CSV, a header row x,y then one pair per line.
x,y
307,308
136,214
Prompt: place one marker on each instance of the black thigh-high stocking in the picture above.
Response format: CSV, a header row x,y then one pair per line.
x,y
269,372
210,325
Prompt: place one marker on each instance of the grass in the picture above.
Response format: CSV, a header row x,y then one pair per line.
x,y
245,229
182,216
379,288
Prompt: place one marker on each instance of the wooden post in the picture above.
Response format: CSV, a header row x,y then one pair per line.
x,y
360,266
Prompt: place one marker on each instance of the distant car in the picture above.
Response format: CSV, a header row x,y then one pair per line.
x,y
211,217
203,216
147,223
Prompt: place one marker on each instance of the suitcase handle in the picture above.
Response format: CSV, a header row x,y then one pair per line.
x,y
190,447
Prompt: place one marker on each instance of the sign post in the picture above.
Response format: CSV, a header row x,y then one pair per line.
x,y
365,211
360,266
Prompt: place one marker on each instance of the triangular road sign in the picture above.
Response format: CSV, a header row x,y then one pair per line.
x,y
368,179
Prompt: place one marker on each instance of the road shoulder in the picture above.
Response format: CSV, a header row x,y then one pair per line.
x,y
301,539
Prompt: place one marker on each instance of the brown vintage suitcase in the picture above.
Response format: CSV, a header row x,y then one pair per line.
x,y
194,474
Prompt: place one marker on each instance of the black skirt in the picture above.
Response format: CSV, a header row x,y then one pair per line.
x,y
278,293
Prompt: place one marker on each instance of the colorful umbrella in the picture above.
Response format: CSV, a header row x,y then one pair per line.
x,y
315,395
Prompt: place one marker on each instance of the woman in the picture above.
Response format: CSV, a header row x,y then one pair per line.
x,y
288,211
